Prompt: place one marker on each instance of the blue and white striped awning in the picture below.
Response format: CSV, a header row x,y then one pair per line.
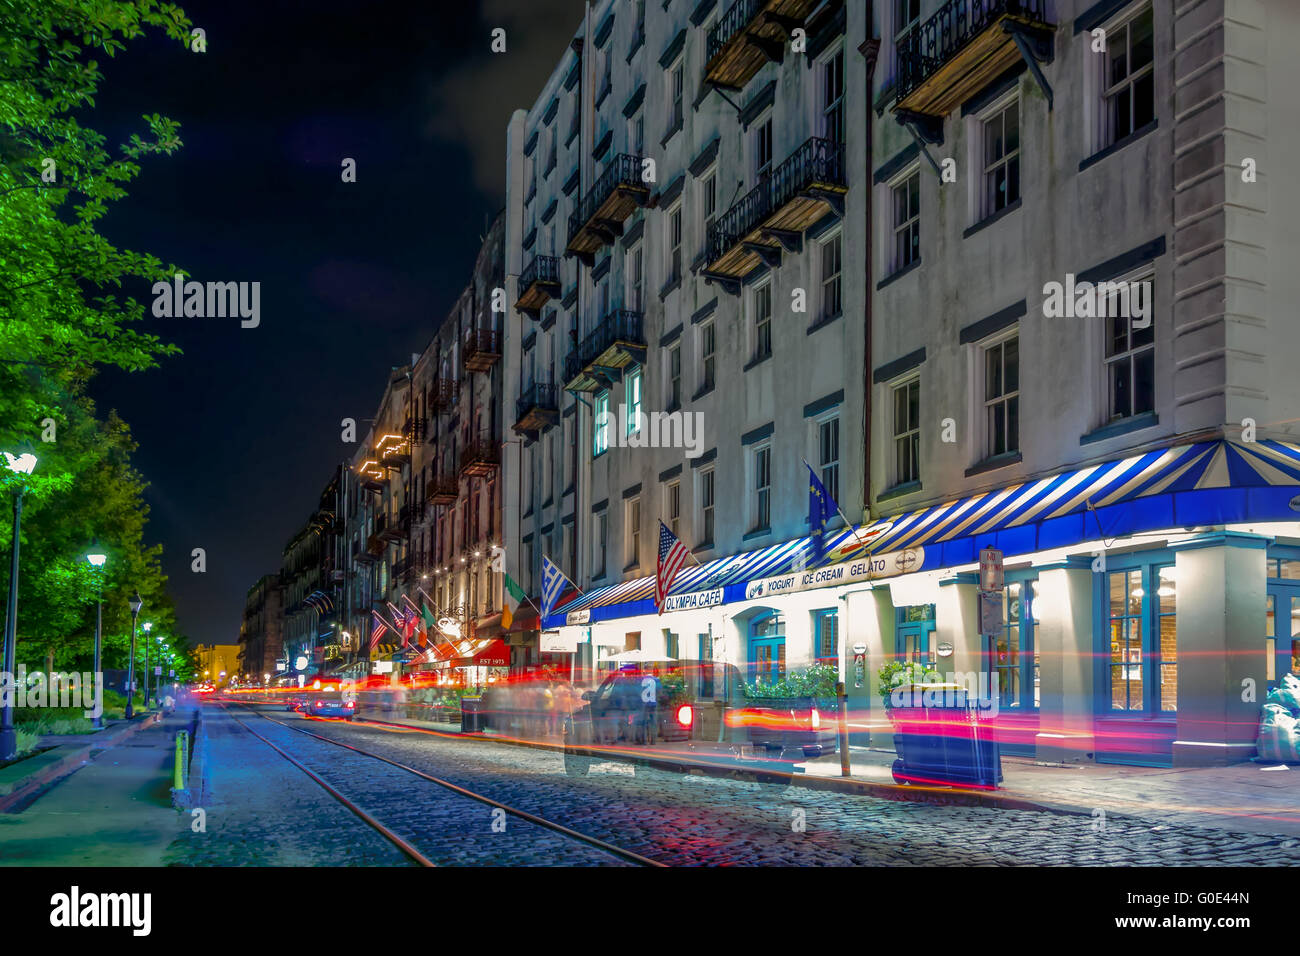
x,y
1206,483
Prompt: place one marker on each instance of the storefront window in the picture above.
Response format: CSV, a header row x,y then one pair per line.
x,y
1143,632
767,648
1167,595
826,635
1126,640
1012,659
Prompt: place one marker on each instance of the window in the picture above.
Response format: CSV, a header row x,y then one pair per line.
x,y
1001,175
833,98
674,244
906,13
674,376
528,566
828,455
1143,635
549,470
907,221
1002,397
1130,362
600,431
633,401
763,321
706,506
767,649
709,206
636,279
633,531
636,134
1129,84
675,88
638,33
761,503
672,650
708,356
673,506
705,645
600,549
1013,661
832,264
602,297
553,137
826,634
907,432
763,150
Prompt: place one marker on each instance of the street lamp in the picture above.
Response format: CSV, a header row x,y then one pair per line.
x,y
136,604
97,559
146,627
22,465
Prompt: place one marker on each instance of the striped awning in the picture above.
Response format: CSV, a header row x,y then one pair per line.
x,y
1206,483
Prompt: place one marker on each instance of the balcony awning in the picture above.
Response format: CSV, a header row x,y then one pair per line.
x,y
1206,483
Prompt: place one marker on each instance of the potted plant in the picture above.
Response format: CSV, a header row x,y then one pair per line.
x,y
896,674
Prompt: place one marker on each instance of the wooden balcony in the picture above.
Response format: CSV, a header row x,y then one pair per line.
x,y
599,218
373,476
482,349
442,490
376,545
393,451
537,409
750,34
480,459
617,342
773,216
538,285
949,57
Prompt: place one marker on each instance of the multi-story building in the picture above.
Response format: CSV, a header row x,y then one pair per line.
x,y
261,641
1120,448
311,588
688,314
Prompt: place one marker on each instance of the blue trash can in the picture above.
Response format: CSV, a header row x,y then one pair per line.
x,y
944,743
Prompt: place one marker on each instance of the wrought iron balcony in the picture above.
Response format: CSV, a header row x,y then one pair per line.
x,y
598,220
442,490
442,394
538,408
614,344
749,34
415,429
774,215
372,476
482,349
480,459
393,451
539,283
949,57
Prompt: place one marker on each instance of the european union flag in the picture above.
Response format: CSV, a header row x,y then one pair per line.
x,y
821,507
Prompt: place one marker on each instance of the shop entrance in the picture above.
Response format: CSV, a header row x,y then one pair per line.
x,y
1282,621
914,634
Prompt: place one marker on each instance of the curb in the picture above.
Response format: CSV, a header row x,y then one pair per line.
x,y
884,791
73,760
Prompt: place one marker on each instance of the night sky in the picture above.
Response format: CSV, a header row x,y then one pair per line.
x,y
238,435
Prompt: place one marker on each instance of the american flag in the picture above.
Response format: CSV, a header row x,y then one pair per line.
x,y
377,629
672,555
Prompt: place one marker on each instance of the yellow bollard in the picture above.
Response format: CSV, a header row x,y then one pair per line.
x,y
182,760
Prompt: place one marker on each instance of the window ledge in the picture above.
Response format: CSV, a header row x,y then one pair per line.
x,y
991,219
994,463
756,362
899,273
673,407
823,322
898,491
631,567
702,392
1121,427
550,499
672,285
603,95
1119,144
599,454
703,546
757,533
672,131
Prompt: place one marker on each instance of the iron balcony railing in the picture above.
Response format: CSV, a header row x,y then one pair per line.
x,y
543,269
932,43
486,341
536,395
623,170
818,160
621,325
481,451
442,393
736,19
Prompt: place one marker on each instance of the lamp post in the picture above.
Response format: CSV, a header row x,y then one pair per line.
x,y
136,604
147,626
22,465
96,559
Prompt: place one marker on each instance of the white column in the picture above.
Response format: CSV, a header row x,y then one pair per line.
x,y
1063,637
1220,582
870,623
957,622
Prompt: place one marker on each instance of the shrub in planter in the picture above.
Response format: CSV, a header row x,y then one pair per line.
x,y
900,674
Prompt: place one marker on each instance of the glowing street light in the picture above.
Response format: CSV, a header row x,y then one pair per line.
x,y
97,559
136,603
21,465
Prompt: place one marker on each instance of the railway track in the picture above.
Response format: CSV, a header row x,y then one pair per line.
x,y
604,852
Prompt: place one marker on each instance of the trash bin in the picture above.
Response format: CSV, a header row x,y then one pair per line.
x,y
471,715
940,739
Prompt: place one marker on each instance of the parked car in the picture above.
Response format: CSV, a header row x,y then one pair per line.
x,y
296,702
779,725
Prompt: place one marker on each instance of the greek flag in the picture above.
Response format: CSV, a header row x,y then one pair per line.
x,y
553,581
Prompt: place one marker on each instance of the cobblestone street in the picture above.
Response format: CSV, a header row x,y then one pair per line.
x,y
266,811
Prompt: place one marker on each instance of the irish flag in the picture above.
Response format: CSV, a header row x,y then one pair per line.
x,y
514,596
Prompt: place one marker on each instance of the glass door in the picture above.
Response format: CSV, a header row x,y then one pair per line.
x,y
914,635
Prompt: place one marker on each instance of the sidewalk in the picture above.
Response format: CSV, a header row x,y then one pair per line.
x,y
1244,797
114,811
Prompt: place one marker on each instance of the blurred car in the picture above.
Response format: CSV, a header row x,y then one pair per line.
x,y
296,702
331,705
